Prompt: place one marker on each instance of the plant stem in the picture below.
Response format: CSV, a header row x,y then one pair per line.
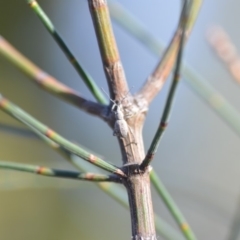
x,y
138,187
113,190
168,106
92,86
108,48
47,82
172,207
157,79
50,172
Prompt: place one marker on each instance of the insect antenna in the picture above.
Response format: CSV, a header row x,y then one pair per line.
x,y
108,96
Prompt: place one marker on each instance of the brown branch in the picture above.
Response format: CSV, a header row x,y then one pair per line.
x,y
130,114
49,83
156,80
108,48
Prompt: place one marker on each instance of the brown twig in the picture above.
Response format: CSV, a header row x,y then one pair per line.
x,y
108,48
49,83
156,80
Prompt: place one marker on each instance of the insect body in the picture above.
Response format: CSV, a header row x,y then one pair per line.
x,y
120,127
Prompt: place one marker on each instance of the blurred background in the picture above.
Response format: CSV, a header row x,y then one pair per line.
x,y
198,158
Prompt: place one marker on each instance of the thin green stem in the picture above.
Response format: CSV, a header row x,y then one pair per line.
x,y
172,207
22,116
162,191
169,103
50,172
92,86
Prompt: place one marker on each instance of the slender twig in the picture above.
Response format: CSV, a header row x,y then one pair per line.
x,y
108,48
162,191
51,172
172,207
22,116
92,86
155,82
168,106
49,83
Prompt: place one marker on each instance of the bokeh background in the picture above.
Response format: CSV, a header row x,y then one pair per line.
x,y
198,158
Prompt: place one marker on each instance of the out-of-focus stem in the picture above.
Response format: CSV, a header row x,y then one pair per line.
x,y
168,106
47,82
51,172
156,80
172,207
